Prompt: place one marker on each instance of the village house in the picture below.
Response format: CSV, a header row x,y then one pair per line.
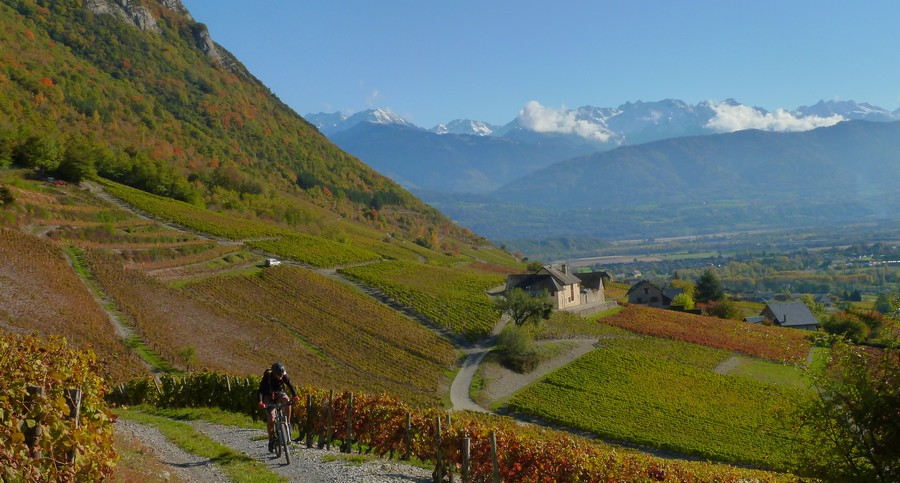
x,y
795,315
646,293
566,290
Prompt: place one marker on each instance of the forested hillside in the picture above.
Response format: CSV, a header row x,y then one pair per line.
x,y
146,98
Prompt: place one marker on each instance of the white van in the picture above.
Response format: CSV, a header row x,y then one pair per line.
x,y
272,262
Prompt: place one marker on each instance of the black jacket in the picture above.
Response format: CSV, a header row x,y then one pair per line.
x,y
269,385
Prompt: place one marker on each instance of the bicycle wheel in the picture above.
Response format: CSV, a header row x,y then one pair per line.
x,y
285,441
277,436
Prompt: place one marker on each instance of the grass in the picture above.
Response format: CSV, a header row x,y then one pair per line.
x,y
235,465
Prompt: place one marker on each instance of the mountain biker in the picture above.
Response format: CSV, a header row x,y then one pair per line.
x,y
272,391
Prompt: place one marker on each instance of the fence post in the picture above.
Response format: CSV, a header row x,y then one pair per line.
x,y
309,421
329,433
73,400
33,435
228,382
407,439
438,463
495,462
348,437
466,450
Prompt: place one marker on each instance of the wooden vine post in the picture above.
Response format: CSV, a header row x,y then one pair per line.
x,y
348,437
407,439
309,421
73,400
495,462
329,432
438,463
466,452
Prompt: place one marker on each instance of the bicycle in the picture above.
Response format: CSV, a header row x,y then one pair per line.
x,y
282,432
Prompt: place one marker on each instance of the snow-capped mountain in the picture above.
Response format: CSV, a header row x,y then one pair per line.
x,y
473,156
849,110
465,126
332,123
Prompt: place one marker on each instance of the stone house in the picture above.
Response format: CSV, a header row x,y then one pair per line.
x,y
565,290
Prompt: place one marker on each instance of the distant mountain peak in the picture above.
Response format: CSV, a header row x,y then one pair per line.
x,y
465,126
332,123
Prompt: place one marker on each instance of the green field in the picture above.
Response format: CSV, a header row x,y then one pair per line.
x,y
665,394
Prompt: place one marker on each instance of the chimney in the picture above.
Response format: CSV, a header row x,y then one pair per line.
x,y
565,269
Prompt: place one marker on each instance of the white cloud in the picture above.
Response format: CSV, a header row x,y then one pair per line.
x,y
731,118
538,118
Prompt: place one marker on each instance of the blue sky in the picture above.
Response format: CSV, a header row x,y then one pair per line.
x,y
432,62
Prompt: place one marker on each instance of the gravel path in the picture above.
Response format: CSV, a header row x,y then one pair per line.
x,y
185,466
307,463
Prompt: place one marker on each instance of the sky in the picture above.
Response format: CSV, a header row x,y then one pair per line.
x,y
435,61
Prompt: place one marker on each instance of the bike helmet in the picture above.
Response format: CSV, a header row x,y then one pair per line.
x,y
278,369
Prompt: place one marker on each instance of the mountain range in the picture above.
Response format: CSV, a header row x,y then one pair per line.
x,y
447,158
643,169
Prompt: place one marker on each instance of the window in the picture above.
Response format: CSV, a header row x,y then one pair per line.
x,y
646,291
654,299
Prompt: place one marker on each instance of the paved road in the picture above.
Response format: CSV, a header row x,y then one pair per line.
x,y
459,390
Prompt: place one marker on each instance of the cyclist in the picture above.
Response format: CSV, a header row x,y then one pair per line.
x,y
272,391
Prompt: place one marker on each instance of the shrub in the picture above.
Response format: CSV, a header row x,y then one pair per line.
x,y
517,349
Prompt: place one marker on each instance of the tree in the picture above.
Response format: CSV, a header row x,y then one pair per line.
x,y
684,301
708,287
522,307
6,196
883,303
849,431
40,152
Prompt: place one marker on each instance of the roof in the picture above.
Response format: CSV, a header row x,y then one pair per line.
x,y
670,293
640,284
561,277
791,314
756,319
548,277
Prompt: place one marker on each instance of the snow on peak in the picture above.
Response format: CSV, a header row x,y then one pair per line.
x,y
465,126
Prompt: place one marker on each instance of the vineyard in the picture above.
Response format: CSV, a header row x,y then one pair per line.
x,y
39,292
664,394
314,251
42,438
378,425
356,341
452,298
772,343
